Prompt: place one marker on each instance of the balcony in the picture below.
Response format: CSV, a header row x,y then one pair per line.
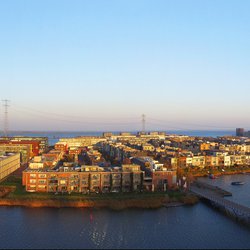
x,y
116,184
74,178
116,177
106,183
126,182
95,177
74,183
136,183
84,183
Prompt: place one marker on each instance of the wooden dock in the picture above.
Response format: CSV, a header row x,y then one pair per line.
x,y
216,189
216,198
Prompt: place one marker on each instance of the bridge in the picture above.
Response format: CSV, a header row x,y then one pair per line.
x,y
216,195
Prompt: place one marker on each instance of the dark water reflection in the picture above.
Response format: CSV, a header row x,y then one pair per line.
x,y
182,227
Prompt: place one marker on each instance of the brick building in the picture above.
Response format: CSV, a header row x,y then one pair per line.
x,y
8,164
89,179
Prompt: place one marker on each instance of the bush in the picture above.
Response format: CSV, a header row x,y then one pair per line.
x,y
189,199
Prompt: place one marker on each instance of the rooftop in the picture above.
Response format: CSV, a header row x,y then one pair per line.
x,y
6,155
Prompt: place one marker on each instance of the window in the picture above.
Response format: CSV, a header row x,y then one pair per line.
x,y
42,175
41,181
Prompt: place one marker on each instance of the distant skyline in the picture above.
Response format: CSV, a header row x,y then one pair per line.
x,y
99,65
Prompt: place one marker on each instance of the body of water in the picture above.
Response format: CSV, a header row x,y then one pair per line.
x,y
197,227
53,136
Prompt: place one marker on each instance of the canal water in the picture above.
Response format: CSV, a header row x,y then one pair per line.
x,y
199,226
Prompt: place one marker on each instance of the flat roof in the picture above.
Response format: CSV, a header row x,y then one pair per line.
x,y
5,156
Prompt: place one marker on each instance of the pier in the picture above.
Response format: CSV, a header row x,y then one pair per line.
x,y
215,196
213,188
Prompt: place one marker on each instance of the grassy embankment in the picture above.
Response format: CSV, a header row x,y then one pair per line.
x,y
117,201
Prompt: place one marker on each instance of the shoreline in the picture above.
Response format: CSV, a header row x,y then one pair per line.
x,y
223,173
114,203
12,197
153,203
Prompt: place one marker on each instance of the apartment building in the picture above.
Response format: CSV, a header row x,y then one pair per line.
x,y
9,163
82,141
158,177
198,161
48,160
117,150
34,145
216,159
23,149
89,179
42,141
62,146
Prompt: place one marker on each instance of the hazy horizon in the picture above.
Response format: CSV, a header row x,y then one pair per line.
x,y
99,65
119,131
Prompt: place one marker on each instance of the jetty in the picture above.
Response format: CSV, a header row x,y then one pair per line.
x,y
215,196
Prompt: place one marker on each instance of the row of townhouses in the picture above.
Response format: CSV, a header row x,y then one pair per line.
x,y
209,161
87,179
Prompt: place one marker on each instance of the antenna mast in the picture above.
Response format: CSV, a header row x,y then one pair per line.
x,y
143,123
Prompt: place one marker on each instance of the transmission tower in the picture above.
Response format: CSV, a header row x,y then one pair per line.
x,y
143,123
6,123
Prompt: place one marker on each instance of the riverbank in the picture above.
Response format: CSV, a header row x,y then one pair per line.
x,y
219,173
14,194
115,203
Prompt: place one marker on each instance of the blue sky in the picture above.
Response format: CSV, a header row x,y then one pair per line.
x,y
99,65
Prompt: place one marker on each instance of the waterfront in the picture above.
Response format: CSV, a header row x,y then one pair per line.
x,y
54,135
240,194
198,226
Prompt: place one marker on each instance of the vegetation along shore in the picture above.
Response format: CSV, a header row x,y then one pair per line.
x,y
13,194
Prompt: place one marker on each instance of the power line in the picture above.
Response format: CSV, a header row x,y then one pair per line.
x,y
105,121
167,127
6,122
159,121
48,118
70,116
